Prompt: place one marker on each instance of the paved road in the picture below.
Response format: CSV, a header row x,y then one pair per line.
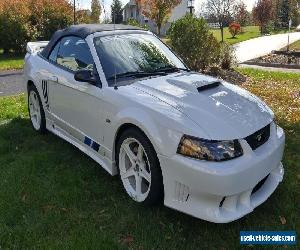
x,y
262,46
11,83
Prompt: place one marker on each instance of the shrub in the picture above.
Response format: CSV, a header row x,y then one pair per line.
x,y
194,43
134,22
234,29
15,30
227,57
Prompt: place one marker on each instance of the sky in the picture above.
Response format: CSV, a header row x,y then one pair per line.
x,y
86,4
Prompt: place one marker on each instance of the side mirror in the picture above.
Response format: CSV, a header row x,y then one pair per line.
x,y
84,75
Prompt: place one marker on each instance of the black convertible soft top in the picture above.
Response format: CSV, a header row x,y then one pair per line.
x,y
82,31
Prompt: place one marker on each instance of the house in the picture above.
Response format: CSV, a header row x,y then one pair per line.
x,y
130,11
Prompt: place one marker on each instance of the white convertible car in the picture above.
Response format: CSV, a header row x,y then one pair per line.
x,y
205,147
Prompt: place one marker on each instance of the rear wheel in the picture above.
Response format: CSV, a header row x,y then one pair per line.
x,y
139,168
36,111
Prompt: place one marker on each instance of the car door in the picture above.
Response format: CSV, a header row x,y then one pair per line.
x,y
75,106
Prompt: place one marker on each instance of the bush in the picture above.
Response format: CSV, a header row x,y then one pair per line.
x,y
227,57
234,29
134,22
15,30
194,43
28,20
267,29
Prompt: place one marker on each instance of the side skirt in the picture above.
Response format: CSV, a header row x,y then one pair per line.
x,y
105,163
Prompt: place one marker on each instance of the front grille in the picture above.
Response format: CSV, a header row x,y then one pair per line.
x,y
259,138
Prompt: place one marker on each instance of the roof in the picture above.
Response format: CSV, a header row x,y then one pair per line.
x,y
82,31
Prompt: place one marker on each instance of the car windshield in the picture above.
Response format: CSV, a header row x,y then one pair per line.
x,y
135,55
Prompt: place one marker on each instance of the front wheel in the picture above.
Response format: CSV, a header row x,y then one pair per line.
x,y
139,168
36,111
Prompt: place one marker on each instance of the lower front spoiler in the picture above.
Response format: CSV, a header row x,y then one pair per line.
x,y
227,209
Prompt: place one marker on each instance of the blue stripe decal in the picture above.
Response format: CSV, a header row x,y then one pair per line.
x,y
87,141
95,146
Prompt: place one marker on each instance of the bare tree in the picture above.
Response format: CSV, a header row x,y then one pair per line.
x,y
221,10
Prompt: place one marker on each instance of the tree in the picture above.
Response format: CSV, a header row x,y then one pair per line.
x,y
83,16
286,10
47,16
158,10
241,15
29,20
284,13
96,11
234,29
15,31
116,11
221,10
263,13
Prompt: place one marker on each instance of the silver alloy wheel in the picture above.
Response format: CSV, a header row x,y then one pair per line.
x,y
34,110
135,169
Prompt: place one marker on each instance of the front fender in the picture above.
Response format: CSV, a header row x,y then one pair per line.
x,y
142,120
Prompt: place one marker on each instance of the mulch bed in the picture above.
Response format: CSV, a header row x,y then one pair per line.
x,y
278,59
281,59
230,76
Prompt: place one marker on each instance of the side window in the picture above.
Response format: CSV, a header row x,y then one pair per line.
x,y
74,54
53,55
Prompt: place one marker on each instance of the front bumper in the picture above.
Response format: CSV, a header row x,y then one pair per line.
x,y
224,191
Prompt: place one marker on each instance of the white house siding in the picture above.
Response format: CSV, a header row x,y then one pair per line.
x,y
130,11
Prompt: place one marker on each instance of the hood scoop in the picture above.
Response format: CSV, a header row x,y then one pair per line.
x,y
208,86
189,84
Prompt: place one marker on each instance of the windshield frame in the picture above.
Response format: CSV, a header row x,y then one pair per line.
x,y
128,81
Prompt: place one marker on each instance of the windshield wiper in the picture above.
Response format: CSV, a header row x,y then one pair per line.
x,y
136,74
171,69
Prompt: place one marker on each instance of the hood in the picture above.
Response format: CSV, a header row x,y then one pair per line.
x,y
222,110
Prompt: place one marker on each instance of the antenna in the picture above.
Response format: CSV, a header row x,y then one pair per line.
x,y
114,21
74,12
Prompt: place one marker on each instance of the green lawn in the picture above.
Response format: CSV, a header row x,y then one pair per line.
x,y
53,196
11,61
249,33
295,46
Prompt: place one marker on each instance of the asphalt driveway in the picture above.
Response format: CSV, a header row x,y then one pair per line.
x,y
11,82
262,46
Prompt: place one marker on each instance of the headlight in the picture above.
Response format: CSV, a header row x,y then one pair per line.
x,y
209,150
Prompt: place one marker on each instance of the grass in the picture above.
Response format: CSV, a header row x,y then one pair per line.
x,y
53,196
295,46
11,61
249,33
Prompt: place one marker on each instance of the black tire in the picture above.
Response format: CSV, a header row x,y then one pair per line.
x,y
156,192
42,129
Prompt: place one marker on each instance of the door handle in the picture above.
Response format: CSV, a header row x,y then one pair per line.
x,y
53,78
